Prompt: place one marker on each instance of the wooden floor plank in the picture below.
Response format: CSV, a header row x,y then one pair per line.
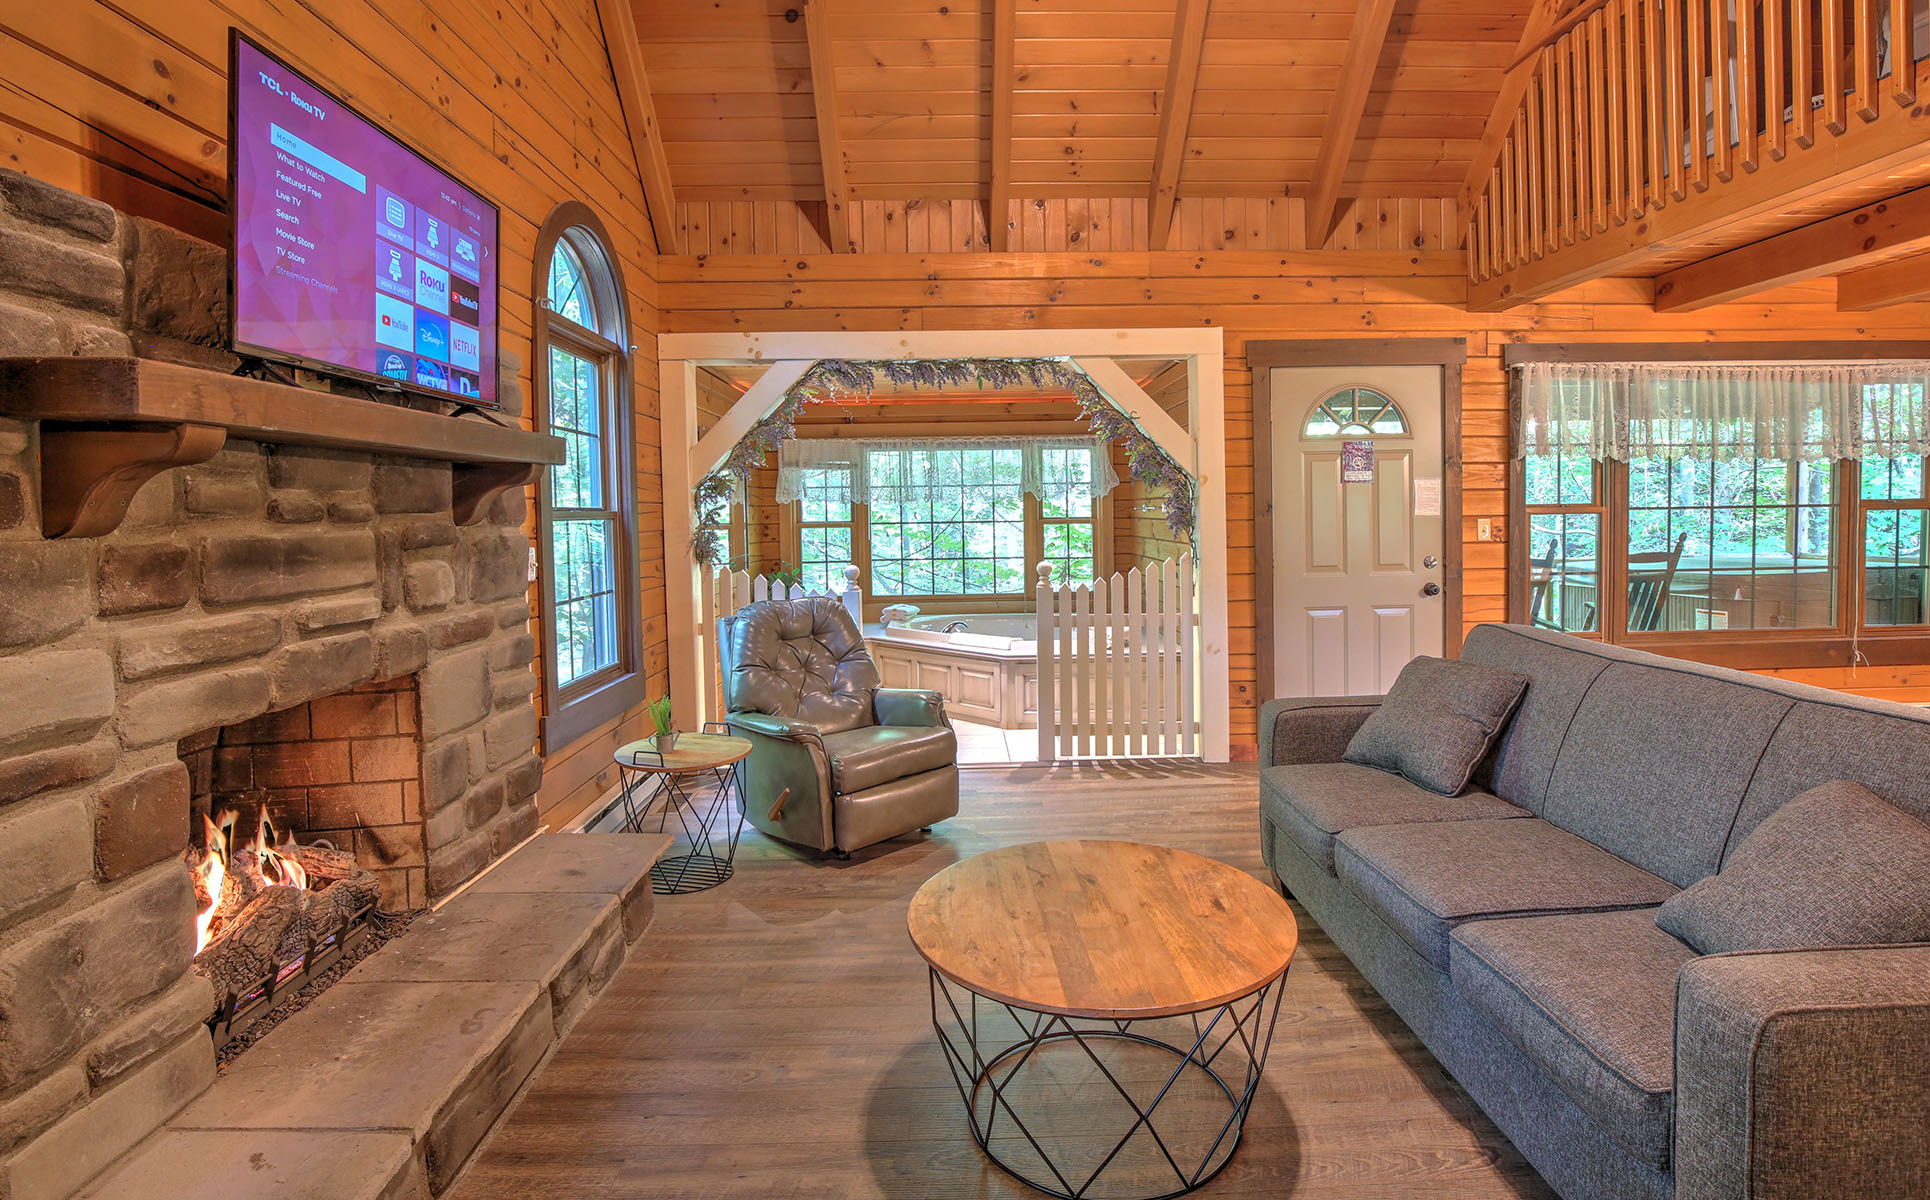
x,y
770,1038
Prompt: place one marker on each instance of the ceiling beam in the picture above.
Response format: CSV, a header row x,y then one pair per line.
x,y
1175,113
998,191
640,114
840,225
1357,72
1899,281
1514,87
1824,247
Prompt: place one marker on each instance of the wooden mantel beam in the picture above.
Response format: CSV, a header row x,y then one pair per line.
x,y
1825,247
1899,281
840,228
1175,113
640,114
998,191
1357,70
1514,86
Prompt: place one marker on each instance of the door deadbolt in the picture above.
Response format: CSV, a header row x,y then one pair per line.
x,y
1430,562
1430,589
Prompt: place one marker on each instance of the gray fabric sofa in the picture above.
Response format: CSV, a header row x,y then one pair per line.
x,y
1513,926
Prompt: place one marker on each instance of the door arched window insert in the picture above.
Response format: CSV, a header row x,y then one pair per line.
x,y
1355,412
586,542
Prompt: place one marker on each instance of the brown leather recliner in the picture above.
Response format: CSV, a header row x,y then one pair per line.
x,y
862,762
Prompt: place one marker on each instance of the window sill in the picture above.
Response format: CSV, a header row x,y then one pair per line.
x,y
571,719
1757,650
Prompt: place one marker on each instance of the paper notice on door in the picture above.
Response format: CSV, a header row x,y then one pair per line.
x,y
1357,461
1427,497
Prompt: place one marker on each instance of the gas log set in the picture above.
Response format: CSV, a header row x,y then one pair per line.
x,y
271,914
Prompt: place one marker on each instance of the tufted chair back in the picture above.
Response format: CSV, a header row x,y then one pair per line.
x,y
800,659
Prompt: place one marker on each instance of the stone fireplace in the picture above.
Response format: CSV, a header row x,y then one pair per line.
x,y
309,625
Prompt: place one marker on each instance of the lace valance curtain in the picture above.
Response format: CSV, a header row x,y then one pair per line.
x,y
1812,411
862,469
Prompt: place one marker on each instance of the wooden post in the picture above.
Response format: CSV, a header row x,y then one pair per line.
x,y
1047,660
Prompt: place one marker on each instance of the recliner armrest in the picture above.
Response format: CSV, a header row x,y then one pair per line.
x,y
908,706
1314,730
1800,1073
772,726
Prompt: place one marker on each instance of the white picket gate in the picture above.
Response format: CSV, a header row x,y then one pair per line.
x,y
722,593
1118,664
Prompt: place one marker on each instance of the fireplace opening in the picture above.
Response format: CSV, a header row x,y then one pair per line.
x,y
309,843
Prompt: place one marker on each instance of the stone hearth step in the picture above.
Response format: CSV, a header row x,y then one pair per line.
x,y
383,1087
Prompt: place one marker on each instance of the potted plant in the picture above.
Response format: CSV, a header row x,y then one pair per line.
x,y
666,738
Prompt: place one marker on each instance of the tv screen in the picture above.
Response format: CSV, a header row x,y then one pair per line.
x,y
354,254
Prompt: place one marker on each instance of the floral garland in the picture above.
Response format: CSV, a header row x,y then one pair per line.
x,y
828,379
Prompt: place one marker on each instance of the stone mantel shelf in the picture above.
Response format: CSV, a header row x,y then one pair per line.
x,y
111,424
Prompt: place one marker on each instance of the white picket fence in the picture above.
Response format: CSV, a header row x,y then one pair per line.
x,y
722,593
1118,664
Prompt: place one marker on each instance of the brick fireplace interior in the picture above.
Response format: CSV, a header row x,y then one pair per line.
x,y
343,771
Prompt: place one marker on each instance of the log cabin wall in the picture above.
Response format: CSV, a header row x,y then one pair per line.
x,y
1256,296
127,103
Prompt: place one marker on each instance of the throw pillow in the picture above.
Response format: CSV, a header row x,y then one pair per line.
x,y
1437,722
1837,866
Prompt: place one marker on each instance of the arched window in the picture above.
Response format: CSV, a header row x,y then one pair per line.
x,y
1355,412
587,543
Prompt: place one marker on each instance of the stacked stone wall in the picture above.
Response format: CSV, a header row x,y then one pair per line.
x,y
257,582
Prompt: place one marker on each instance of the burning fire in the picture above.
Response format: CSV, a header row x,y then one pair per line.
x,y
266,860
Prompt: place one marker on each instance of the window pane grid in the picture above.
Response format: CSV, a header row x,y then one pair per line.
x,y
575,415
1735,542
584,599
947,522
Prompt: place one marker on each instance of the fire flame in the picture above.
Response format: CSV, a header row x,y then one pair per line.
x,y
266,861
278,863
213,870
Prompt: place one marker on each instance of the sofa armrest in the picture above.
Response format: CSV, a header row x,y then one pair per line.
x,y
771,726
1800,1073
1311,731
784,786
909,706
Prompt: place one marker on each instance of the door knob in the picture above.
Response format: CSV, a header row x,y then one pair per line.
x,y
1430,589
1430,562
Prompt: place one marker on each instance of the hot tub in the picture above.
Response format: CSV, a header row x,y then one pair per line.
x,y
988,671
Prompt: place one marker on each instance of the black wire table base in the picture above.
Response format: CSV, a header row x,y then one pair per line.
x,y
711,826
1087,1109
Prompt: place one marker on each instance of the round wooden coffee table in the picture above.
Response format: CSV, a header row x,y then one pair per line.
x,y
1066,980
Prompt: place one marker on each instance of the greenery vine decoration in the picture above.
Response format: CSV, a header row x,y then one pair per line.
x,y
828,379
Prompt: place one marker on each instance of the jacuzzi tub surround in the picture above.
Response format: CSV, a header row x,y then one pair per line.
x,y
988,671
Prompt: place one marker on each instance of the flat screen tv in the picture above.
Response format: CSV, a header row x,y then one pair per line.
x,y
353,254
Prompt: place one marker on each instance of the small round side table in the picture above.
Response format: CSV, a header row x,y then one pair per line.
x,y
705,825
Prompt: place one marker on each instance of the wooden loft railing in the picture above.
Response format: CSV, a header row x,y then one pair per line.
x,y
1650,125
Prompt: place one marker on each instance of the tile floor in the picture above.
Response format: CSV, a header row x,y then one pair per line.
x,y
983,745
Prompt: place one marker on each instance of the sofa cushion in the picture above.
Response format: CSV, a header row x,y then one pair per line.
x,y
1654,767
1836,866
1423,880
1885,747
1438,722
1590,999
1312,802
877,754
1560,669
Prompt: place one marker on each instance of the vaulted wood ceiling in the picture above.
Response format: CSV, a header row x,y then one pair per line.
x,y
913,88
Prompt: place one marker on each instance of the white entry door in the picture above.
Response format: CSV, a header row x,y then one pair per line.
x,y
1357,529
